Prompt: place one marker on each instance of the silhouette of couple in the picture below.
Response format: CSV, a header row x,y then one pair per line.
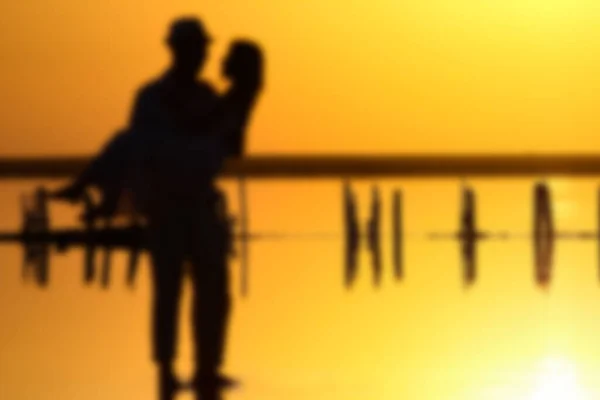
x,y
163,168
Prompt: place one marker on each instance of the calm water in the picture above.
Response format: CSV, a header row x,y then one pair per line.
x,y
301,335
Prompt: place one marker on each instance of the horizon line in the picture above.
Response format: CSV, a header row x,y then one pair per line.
x,y
345,166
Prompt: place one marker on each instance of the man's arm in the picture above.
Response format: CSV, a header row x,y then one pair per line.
x,y
142,112
137,112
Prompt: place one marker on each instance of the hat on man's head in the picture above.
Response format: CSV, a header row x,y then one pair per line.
x,y
186,30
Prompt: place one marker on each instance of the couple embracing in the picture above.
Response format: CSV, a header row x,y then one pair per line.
x,y
164,166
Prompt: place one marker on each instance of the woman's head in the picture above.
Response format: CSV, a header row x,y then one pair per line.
x,y
244,64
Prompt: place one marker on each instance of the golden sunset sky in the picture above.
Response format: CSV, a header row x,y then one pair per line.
x,y
380,76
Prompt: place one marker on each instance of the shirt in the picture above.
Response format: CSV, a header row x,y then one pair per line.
x,y
174,165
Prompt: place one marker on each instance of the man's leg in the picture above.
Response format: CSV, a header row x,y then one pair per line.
x,y
167,273
211,298
211,316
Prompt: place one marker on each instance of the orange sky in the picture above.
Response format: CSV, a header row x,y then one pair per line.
x,y
352,76
412,76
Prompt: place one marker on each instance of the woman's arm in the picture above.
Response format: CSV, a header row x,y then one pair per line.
x,y
229,122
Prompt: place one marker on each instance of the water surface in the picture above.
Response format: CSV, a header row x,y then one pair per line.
x,y
301,335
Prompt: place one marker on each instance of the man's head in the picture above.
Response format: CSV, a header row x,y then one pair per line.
x,y
188,42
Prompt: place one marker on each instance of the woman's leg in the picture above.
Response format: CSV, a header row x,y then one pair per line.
x,y
104,170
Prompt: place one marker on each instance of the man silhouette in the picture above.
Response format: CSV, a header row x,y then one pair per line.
x,y
183,226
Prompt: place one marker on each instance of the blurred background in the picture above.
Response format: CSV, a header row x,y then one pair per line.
x,y
343,77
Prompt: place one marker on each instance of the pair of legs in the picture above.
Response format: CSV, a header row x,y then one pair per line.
x,y
200,233
108,172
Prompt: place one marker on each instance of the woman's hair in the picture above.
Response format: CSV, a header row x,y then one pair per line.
x,y
246,64
244,67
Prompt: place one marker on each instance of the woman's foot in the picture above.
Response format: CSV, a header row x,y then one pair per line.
x,y
72,193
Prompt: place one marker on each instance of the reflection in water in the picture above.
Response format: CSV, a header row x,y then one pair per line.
x,y
556,380
374,236
397,233
469,236
544,234
300,334
352,235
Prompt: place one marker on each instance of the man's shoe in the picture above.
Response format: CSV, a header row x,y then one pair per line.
x,y
168,386
214,380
